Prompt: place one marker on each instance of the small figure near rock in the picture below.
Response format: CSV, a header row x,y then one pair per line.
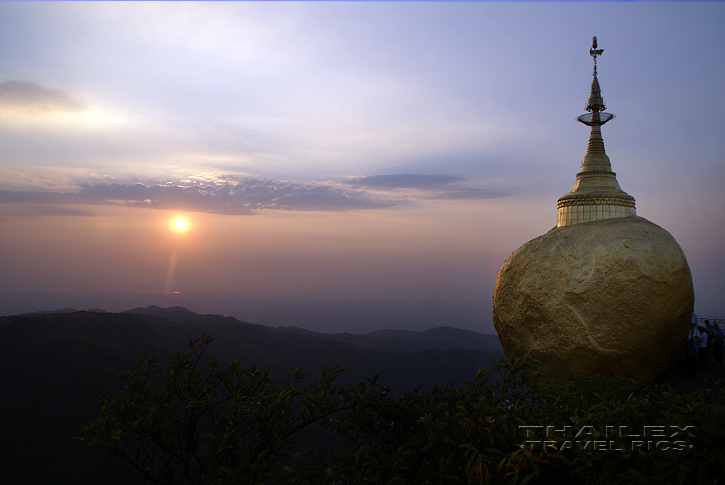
x,y
710,334
693,326
704,354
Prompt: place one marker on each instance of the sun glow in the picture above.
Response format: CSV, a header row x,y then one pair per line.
x,y
180,224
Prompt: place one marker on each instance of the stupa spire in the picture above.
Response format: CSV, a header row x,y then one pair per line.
x,y
596,194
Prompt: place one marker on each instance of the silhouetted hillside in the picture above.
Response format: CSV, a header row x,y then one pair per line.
x,y
441,338
173,314
54,367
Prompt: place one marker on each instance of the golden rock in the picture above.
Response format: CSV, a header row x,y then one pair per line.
x,y
613,297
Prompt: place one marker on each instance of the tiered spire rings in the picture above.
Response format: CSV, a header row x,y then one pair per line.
x,y
596,194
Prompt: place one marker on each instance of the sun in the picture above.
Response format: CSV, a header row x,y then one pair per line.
x,y
179,224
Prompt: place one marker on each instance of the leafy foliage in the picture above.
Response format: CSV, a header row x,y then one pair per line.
x,y
200,422
450,435
634,432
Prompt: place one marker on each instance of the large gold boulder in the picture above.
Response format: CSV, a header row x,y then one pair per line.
x,y
613,297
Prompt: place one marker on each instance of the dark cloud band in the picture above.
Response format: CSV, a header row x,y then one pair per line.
x,y
404,181
244,195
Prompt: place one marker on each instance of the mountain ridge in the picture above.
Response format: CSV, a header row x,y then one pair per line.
x,y
397,340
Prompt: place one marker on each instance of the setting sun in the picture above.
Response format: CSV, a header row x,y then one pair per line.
x,y
179,224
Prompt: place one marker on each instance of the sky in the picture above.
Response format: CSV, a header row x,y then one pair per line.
x,y
340,166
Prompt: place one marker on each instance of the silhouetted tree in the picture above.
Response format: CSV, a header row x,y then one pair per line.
x,y
201,422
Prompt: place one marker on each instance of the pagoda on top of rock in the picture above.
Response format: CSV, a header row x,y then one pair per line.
x,y
596,194
606,291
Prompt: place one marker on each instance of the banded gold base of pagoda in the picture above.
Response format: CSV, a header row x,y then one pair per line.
x,y
575,210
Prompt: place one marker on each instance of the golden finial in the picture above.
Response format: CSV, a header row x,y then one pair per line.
x,y
594,52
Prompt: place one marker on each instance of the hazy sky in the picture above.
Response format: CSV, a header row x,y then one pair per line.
x,y
338,152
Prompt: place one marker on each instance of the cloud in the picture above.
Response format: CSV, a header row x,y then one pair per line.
x,y
469,193
31,97
405,181
239,195
432,187
233,195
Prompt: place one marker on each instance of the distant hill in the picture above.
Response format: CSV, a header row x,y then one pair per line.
x,y
440,338
54,367
177,314
61,310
